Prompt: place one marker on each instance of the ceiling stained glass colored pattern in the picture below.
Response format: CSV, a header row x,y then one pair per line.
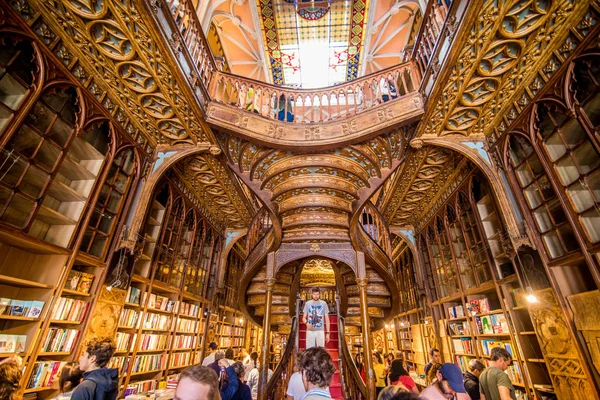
x,y
313,44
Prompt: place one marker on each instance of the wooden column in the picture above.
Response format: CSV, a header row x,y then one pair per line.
x,y
264,356
362,281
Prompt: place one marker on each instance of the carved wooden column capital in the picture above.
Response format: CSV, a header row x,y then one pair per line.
x,y
362,283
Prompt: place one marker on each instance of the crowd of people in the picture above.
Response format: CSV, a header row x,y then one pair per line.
x,y
219,376
445,380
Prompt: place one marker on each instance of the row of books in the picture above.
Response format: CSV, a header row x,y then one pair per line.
x,y
187,325
462,362
479,306
157,322
133,295
459,328
191,310
153,342
231,342
13,343
492,324
141,387
487,345
463,346
232,330
79,281
129,318
21,308
121,363
180,359
184,342
125,341
149,362
60,340
456,312
160,302
67,309
43,372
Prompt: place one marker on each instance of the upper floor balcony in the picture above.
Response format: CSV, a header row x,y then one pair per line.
x,y
334,115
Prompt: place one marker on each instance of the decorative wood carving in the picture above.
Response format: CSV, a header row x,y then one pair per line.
x,y
565,364
106,313
499,59
587,321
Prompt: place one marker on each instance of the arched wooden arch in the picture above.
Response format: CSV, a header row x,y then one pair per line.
x,y
147,185
499,185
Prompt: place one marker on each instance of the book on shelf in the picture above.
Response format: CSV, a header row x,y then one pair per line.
x,y
73,280
60,340
484,325
488,344
479,306
12,343
43,373
456,311
129,318
458,328
133,295
149,362
21,308
4,306
499,324
70,310
85,282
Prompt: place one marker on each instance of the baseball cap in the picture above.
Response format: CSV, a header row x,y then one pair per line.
x,y
453,374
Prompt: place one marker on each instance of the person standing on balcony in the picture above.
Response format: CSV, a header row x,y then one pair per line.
x,y
316,318
384,90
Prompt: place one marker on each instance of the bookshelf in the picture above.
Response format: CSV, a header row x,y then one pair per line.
x,y
231,329
465,244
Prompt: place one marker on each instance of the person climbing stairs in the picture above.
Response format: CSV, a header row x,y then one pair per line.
x,y
335,388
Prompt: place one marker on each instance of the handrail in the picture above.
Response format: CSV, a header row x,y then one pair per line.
x,y
315,105
354,387
259,227
373,223
429,32
281,375
188,25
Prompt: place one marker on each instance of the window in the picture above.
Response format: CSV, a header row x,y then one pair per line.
x,y
16,76
106,211
548,215
170,237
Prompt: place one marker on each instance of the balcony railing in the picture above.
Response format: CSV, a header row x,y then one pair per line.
x,y
187,23
374,225
431,28
316,105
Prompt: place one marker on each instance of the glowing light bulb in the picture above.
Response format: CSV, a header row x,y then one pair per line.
x,y
387,326
402,323
531,298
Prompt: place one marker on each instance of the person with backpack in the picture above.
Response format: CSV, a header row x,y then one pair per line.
x,y
99,382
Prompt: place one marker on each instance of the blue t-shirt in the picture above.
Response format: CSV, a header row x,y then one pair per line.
x,y
316,312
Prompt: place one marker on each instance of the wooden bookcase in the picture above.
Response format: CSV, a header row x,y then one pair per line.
x,y
473,282
231,329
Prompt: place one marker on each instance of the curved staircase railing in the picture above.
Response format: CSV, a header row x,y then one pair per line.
x,y
315,105
352,383
429,32
277,385
259,227
373,223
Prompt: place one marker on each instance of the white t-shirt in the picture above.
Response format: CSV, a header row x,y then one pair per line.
x,y
209,359
295,386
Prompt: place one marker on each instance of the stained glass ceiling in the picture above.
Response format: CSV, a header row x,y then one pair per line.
x,y
313,44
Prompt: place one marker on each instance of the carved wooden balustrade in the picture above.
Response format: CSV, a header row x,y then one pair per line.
x,y
429,32
314,105
277,386
187,22
352,383
374,225
259,227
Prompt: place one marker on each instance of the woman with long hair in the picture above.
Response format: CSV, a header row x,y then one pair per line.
x,y
380,373
398,374
67,380
10,376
